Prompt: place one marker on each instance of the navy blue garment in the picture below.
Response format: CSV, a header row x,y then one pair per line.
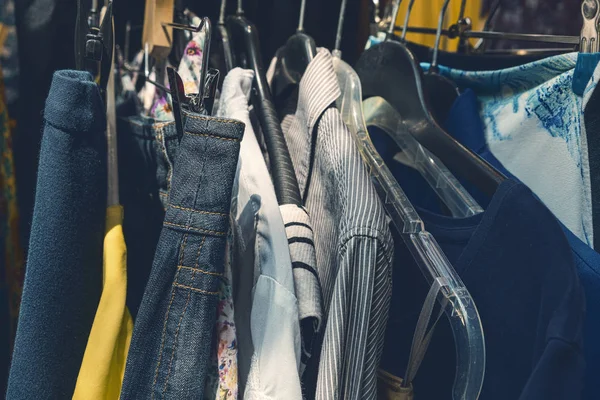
x,y
517,265
147,150
63,278
172,337
464,123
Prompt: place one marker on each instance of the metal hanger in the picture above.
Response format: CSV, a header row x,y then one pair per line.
x,y
296,54
94,41
223,38
390,70
244,40
203,101
589,9
446,286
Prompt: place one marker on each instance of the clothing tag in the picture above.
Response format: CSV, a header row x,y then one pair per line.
x,y
584,69
389,387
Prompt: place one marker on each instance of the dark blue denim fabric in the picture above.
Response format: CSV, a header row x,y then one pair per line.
x,y
147,149
172,338
64,265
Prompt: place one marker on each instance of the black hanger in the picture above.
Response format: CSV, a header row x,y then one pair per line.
x,y
223,41
442,91
390,70
244,40
180,40
94,41
296,54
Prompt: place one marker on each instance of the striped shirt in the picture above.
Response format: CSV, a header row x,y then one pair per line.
x,y
354,246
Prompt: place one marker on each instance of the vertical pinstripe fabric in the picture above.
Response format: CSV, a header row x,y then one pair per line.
x,y
352,238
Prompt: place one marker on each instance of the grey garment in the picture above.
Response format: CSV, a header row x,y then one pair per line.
x,y
299,232
352,238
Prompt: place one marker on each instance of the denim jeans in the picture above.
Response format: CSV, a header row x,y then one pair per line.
x,y
63,279
171,344
147,149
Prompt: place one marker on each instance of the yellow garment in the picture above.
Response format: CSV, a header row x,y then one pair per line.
x,y
103,366
426,13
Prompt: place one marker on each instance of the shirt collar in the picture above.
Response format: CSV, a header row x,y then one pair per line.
x,y
318,89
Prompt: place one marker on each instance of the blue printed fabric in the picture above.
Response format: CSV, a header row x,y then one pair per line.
x,y
534,124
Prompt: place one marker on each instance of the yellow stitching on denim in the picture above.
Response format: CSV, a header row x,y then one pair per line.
x,y
195,290
182,248
198,256
200,270
199,211
181,318
162,345
201,118
213,136
194,229
187,301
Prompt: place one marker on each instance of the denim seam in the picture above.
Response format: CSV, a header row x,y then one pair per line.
x,y
164,333
201,118
214,136
197,269
187,302
218,233
199,211
179,285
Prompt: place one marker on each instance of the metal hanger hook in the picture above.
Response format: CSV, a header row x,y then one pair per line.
x,y
395,11
408,12
222,12
438,34
340,29
301,19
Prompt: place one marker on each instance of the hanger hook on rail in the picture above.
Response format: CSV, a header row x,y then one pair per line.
x,y
438,35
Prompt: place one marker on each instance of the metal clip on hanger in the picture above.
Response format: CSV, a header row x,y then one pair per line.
x,y
446,285
201,102
590,10
244,38
94,49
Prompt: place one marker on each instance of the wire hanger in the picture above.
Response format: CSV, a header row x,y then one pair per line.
x,y
390,70
455,300
296,54
244,40
443,92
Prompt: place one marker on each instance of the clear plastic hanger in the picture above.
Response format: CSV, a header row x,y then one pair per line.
x,y
379,113
446,286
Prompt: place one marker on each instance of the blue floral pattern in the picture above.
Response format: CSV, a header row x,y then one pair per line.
x,y
534,125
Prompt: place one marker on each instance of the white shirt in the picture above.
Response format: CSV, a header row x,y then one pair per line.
x,y
266,308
